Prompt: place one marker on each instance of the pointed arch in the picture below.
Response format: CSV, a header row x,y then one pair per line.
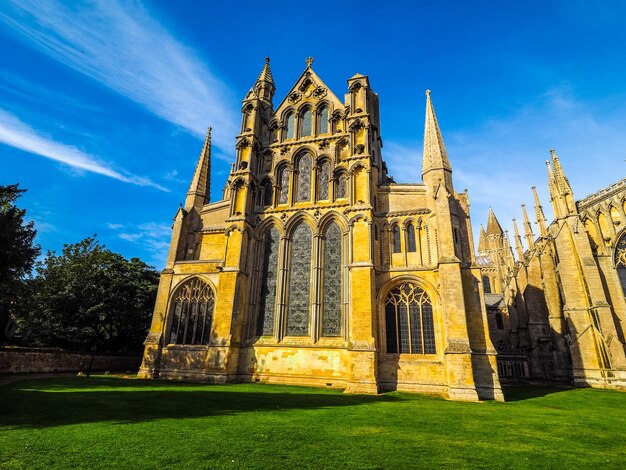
x,y
268,277
397,246
303,184
410,238
619,259
323,181
323,118
299,291
289,123
191,313
282,177
306,122
332,280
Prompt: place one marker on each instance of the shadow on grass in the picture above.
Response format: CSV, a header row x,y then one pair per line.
x,y
528,392
37,405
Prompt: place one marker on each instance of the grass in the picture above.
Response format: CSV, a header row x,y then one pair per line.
x,y
109,422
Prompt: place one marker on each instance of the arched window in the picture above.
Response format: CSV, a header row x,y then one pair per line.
x,y
409,321
192,313
322,182
299,301
486,285
289,126
269,274
331,301
307,126
397,248
304,179
267,193
284,186
323,120
341,186
410,238
620,260
499,321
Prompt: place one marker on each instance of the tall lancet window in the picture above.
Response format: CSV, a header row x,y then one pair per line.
x,y
290,126
267,193
304,179
307,123
341,186
409,321
269,275
299,293
620,260
323,120
397,248
322,182
192,313
331,289
284,186
410,238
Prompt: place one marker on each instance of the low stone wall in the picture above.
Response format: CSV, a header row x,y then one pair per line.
x,y
18,360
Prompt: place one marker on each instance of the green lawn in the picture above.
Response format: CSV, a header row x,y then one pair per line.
x,y
109,422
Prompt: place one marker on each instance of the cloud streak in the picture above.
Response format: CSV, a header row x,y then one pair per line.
x,y
17,134
118,44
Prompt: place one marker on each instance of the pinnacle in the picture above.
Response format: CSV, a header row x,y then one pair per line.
x,y
435,155
493,226
266,73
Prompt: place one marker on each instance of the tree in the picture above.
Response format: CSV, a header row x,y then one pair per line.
x,y
87,295
17,253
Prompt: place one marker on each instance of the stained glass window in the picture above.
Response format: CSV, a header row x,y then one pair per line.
x,y
410,238
304,179
397,248
269,273
192,313
322,178
289,126
486,285
341,186
267,193
284,186
409,321
307,128
323,117
299,294
620,260
331,317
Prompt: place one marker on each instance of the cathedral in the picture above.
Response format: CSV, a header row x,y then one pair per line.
x,y
316,268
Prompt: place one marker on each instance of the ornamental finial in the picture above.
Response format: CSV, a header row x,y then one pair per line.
x,y
427,92
309,61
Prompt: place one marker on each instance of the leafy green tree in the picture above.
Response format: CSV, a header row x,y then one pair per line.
x,y
17,253
87,295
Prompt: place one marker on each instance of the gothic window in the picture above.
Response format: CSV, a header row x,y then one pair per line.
x,y
267,193
299,302
307,119
410,238
269,274
396,239
486,285
620,260
331,312
322,178
409,321
323,120
499,321
341,186
284,186
192,313
289,126
304,179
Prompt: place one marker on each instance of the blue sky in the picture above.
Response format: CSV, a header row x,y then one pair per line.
x,y
104,104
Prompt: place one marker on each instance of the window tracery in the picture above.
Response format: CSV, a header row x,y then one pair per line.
x,y
192,313
620,260
409,321
331,312
304,179
269,275
284,186
299,294
323,178
341,186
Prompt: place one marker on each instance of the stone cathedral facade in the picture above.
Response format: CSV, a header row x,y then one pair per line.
x,y
316,268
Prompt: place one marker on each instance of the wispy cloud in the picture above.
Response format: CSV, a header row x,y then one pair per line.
x,y
15,133
120,45
154,238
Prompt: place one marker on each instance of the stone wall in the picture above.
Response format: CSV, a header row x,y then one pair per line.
x,y
17,360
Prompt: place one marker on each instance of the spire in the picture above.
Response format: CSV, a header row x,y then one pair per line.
x,y
541,219
560,179
493,226
482,241
518,242
264,86
435,156
528,230
200,187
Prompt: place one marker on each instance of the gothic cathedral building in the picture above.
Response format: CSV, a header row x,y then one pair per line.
x,y
316,268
